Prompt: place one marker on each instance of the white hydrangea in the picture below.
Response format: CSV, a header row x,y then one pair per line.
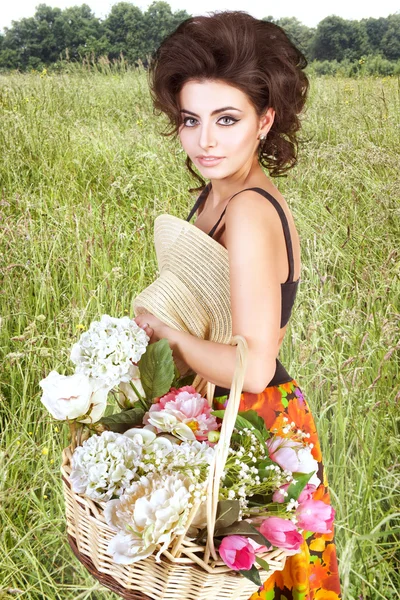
x,y
191,454
156,507
105,465
108,349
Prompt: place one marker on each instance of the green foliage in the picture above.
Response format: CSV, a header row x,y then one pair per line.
x,y
367,65
247,419
157,370
253,575
124,420
57,37
75,33
300,481
300,34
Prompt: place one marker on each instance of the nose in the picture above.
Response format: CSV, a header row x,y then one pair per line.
x,y
207,136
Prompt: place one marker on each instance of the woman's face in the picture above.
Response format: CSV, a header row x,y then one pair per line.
x,y
231,134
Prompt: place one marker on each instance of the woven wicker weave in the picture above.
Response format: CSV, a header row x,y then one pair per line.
x,y
188,570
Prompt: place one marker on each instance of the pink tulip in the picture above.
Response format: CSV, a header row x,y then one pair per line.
x,y
315,516
258,548
284,452
237,552
306,493
279,494
281,533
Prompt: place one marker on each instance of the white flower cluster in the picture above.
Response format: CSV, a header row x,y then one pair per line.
x,y
155,508
108,348
190,455
105,465
156,481
241,469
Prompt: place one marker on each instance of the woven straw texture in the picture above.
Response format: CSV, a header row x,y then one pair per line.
x,y
192,292
188,570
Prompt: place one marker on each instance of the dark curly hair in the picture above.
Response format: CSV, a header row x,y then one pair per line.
x,y
252,55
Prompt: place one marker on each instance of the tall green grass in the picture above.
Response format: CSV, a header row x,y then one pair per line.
x,y
83,173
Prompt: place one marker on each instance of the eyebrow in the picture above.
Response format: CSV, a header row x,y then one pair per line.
x,y
214,112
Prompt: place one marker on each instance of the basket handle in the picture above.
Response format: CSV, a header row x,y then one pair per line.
x,y
221,449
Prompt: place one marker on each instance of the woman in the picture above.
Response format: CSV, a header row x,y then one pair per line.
x,y
233,87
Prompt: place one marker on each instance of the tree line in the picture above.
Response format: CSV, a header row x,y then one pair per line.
x,y
55,34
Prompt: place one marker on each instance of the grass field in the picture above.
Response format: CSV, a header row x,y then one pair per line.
x,y
83,173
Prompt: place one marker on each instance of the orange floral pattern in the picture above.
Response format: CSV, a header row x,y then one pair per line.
x,y
313,573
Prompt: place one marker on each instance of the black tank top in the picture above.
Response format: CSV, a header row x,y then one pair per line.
x,y
289,288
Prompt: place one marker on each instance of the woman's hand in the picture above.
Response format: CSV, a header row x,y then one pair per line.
x,y
154,328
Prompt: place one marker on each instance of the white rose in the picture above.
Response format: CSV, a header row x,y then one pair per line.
x,y
73,396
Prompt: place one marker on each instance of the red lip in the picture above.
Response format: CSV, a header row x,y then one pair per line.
x,y
206,156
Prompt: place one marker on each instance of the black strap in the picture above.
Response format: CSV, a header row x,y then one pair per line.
x,y
200,200
267,195
284,221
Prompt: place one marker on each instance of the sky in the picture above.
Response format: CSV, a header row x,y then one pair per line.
x,y
308,12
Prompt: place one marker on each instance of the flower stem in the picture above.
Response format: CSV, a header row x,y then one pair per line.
x,y
139,397
72,432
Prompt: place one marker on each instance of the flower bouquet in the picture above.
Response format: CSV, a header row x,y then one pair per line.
x,y
165,497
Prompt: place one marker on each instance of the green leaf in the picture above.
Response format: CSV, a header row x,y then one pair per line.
x,y
263,563
109,410
307,534
221,399
227,513
253,575
218,413
259,500
294,490
257,422
243,528
156,368
121,422
241,423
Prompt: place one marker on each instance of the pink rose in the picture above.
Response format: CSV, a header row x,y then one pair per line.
x,y
184,413
173,392
306,493
282,533
237,552
315,516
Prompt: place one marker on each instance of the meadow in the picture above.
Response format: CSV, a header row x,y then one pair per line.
x,y
84,170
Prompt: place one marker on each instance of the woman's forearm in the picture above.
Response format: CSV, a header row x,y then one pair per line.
x,y
214,361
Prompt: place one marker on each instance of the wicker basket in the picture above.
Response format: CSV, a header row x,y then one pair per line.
x,y
187,571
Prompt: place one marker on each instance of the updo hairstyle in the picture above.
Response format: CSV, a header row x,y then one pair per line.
x,y
252,55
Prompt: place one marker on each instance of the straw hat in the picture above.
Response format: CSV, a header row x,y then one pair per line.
x,y
192,292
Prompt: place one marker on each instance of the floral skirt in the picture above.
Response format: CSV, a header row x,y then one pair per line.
x,y
313,573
